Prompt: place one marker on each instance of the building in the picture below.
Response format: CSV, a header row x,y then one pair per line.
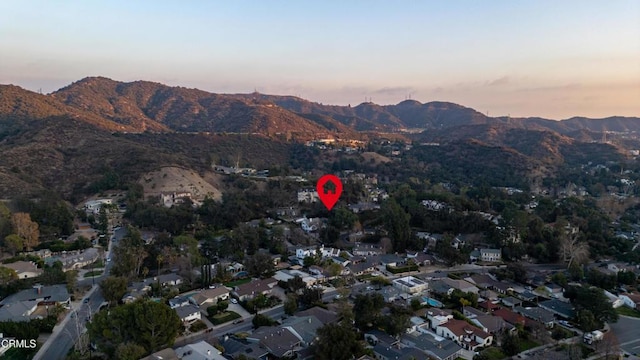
x,y
74,260
560,308
24,269
188,313
20,306
252,289
438,317
464,334
490,255
410,284
198,351
280,342
175,198
210,296
308,196
631,300
436,348
286,275
538,314
94,206
179,301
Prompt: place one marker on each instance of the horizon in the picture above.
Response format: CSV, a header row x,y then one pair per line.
x,y
541,59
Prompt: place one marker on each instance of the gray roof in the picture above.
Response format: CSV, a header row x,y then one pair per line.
x,y
559,307
234,347
536,313
305,327
53,293
325,316
184,311
17,311
278,341
427,343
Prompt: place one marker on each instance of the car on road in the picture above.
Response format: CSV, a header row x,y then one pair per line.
x,y
86,301
234,301
238,321
108,259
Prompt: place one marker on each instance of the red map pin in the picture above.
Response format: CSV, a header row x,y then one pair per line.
x,y
328,194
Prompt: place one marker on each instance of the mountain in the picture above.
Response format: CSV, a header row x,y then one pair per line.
x,y
157,107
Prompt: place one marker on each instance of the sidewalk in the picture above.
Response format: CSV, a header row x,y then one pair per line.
x,y
56,329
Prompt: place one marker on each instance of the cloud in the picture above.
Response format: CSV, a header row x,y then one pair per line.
x,y
574,86
396,90
499,81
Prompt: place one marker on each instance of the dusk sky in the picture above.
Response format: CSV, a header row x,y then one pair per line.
x,y
554,59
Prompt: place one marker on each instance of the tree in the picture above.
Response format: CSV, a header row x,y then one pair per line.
x,y
595,302
5,220
366,309
396,221
586,320
71,278
113,288
13,243
149,324
295,284
7,275
260,265
130,351
291,305
262,320
572,250
337,342
26,229
510,344
310,296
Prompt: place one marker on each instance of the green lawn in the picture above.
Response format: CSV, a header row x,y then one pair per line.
x,y
93,273
527,344
237,282
494,353
224,317
623,310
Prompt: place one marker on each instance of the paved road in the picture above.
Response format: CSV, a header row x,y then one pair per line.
x,y
627,330
66,334
275,313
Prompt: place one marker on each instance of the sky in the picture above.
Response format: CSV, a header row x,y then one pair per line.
x,y
552,59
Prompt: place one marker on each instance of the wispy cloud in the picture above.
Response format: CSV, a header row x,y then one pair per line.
x,y
499,81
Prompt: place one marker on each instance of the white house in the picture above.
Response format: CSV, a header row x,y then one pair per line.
x,y
188,313
464,334
94,206
307,196
615,301
410,284
490,255
631,300
198,351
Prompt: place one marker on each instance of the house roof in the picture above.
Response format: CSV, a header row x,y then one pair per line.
x,y
536,313
165,354
277,340
184,311
492,323
481,280
23,266
208,294
325,316
199,350
234,347
382,337
510,316
18,311
304,327
53,293
255,287
441,349
462,328
558,307
511,301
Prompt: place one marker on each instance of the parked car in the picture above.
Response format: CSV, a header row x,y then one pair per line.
x,y
234,301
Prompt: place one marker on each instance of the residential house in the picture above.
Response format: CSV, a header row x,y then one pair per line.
x,y
308,196
490,255
367,250
615,301
511,302
391,260
164,354
469,337
286,275
538,314
24,269
438,317
179,301
378,337
366,266
198,351
21,305
188,313
492,324
511,317
168,280
390,293
74,260
560,308
631,300
420,258
280,342
303,327
210,296
325,316
447,285
251,289
410,284
136,291
554,290
436,348
235,347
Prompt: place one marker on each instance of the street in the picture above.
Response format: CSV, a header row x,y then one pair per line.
x,y
66,333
